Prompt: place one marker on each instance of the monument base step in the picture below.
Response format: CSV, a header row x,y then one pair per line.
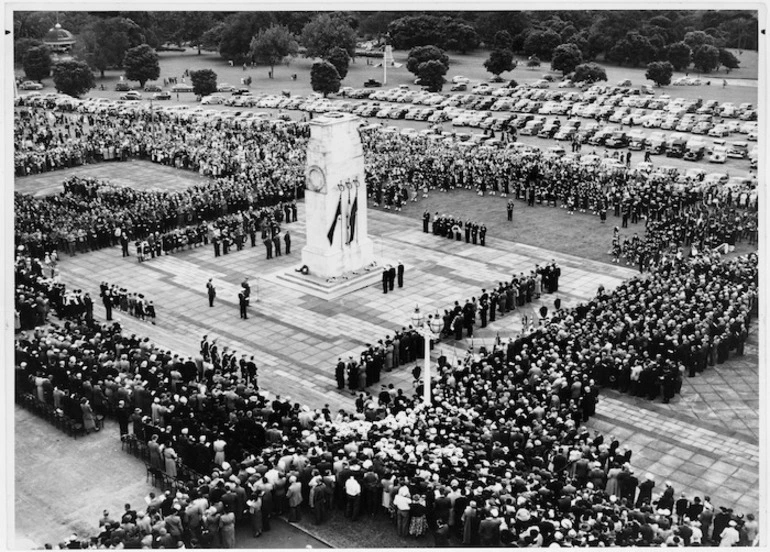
x,y
324,288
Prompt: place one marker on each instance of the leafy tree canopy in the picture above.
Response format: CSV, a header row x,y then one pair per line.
x,y
37,63
73,78
340,59
589,72
272,45
566,57
500,61
421,54
141,64
541,43
325,33
680,55
324,78
204,82
706,58
659,72
431,74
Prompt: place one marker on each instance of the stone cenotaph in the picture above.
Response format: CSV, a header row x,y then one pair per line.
x,y
335,198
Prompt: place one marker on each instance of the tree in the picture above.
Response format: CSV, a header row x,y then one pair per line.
x,y
421,54
566,57
706,58
193,27
541,43
728,59
659,72
502,41
696,39
212,37
340,59
272,45
431,74
325,32
37,63
237,33
324,78
416,30
21,46
204,82
500,61
632,49
104,42
680,55
460,37
141,64
73,78
589,72
533,61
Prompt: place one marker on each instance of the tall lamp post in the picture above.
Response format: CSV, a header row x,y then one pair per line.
x,y
428,329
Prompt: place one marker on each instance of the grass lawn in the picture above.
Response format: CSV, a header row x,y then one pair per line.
x,y
173,64
581,234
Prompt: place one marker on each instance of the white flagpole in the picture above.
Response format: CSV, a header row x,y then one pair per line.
x,y
385,66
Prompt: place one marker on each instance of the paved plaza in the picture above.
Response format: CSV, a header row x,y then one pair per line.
x,y
705,441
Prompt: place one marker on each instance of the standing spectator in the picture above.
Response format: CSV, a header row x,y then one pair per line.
x,y
212,291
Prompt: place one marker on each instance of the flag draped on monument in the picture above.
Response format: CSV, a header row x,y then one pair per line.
x,y
337,215
352,221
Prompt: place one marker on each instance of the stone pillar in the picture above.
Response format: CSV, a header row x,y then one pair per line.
x,y
335,190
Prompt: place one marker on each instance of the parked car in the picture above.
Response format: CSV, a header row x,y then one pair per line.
x,y
131,95
122,86
30,85
694,150
675,145
617,139
162,95
182,87
214,99
737,150
151,87
636,140
718,154
372,83
224,87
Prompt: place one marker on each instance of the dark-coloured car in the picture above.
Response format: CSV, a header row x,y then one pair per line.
x,y
617,140
122,86
152,88
372,83
166,95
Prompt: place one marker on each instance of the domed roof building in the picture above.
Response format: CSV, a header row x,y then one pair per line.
x,y
58,39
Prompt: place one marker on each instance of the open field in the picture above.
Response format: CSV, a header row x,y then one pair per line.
x,y
742,86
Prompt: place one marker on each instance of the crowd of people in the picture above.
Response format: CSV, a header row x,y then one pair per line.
x,y
450,227
133,303
500,456
502,441
37,294
271,168
686,231
398,167
91,214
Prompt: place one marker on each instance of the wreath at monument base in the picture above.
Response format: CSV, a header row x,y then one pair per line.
x,y
304,270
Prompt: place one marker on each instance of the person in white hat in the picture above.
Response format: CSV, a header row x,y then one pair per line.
x,y
729,535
